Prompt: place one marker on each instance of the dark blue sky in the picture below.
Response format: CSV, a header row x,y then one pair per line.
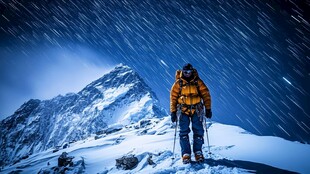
x,y
253,55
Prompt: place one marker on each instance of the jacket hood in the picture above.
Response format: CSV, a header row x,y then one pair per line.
x,y
179,75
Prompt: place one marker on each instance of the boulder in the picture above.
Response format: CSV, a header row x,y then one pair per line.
x,y
127,162
65,160
66,164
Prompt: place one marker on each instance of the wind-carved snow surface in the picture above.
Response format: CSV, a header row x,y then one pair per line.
x,y
120,96
233,149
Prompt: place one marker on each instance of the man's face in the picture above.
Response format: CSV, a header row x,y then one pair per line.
x,y
187,73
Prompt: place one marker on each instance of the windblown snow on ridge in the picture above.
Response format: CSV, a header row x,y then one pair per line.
x,y
233,151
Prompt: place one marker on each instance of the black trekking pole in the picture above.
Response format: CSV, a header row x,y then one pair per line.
x,y
175,136
176,128
206,127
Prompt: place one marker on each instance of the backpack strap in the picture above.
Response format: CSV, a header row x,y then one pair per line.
x,y
196,84
181,85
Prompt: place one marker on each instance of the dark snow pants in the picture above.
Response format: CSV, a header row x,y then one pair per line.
x,y
198,132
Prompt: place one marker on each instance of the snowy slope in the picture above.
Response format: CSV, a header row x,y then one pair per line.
x,y
233,151
119,97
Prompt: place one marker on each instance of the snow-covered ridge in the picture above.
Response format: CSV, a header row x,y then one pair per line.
x,y
120,96
233,151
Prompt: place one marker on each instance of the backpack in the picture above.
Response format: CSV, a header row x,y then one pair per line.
x,y
200,106
178,78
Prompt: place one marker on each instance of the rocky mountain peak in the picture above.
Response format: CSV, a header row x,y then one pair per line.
x,y
118,97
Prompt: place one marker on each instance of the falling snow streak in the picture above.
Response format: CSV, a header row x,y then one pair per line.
x,y
253,55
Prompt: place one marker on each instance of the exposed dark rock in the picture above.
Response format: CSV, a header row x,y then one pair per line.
x,y
110,130
55,150
149,160
65,160
66,145
25,157
127,162
66,166
144,123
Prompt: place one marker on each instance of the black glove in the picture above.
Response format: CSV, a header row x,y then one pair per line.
x,y
173,117
208,113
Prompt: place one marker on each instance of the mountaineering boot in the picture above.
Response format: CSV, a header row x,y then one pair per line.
x,y
199,156
186,158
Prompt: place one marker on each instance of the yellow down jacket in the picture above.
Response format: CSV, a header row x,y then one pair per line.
x,y
189,96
